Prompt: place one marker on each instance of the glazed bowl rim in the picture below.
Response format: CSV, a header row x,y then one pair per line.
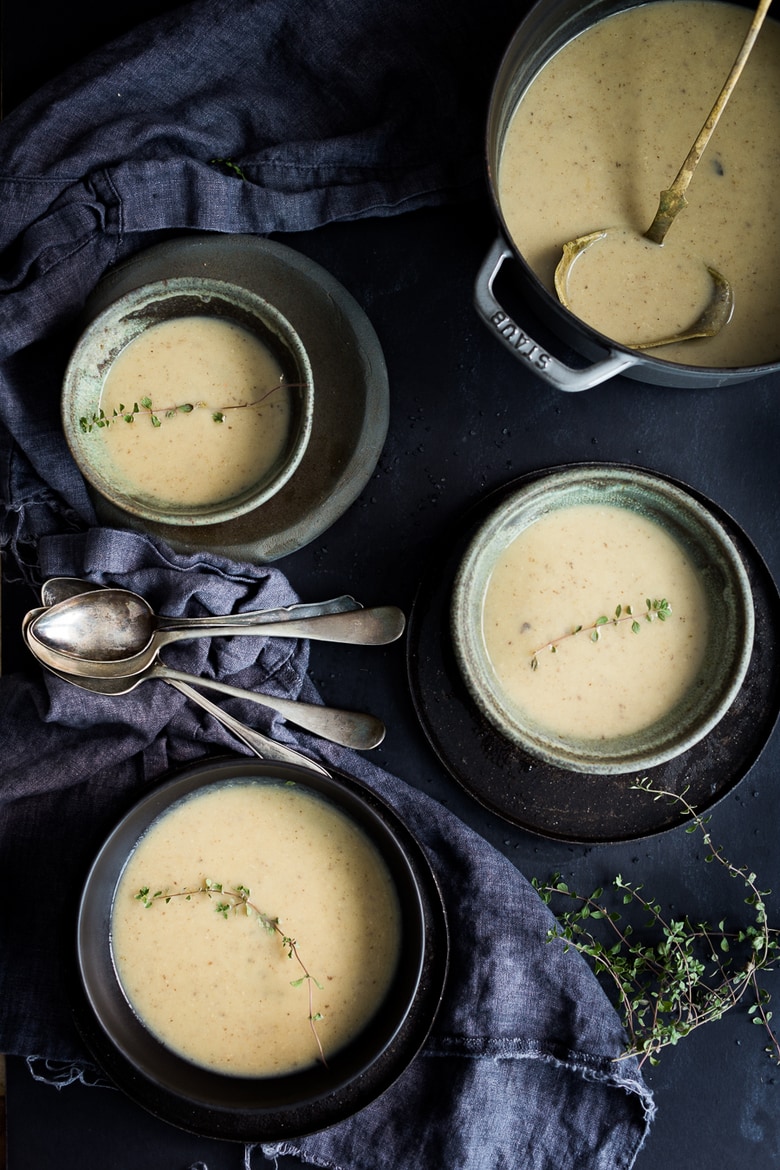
x,y
729,648
130,315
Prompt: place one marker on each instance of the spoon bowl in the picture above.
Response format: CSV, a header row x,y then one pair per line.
x,y
57,589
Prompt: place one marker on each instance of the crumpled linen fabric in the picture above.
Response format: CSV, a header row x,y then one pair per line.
x,y
520,1068
229,116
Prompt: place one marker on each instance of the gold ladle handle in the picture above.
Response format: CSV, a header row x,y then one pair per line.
x,y
673,199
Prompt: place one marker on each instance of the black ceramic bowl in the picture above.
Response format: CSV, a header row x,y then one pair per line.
x,y
263,1108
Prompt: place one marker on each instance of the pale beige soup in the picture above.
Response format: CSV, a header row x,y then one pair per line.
x,y
568,569
220,991
189,459
605,127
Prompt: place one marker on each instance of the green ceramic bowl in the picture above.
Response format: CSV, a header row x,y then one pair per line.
x,y
727,593
120,324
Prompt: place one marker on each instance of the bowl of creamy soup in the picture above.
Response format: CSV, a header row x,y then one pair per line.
x,y
593,111
261,949
602,619
188,401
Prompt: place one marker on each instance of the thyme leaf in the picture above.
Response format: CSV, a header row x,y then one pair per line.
x,y
145,409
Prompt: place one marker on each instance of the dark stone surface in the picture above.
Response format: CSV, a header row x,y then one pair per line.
x,y
465,419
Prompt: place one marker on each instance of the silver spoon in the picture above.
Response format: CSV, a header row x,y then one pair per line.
x,y
117,625
351,729
262,745
57,589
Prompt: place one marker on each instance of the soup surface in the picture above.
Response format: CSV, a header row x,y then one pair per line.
x,y
190,459
219,990
567,569
604,128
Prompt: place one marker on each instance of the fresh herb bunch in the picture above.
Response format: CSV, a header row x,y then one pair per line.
x,y
655,610
239,900
677,975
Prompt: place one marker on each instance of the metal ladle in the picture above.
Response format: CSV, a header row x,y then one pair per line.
x,y
117,626
352,729
673,200
57,589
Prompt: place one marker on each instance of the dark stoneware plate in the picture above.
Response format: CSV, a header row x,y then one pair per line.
x,y
351,409
570,806
262,1109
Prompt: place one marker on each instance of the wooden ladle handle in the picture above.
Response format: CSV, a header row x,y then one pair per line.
x,y
673,199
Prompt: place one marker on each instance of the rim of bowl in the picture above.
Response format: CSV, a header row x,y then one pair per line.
x,y
132,314
723,577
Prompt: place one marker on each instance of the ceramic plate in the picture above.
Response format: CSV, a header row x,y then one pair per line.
x,y
352,405
547,800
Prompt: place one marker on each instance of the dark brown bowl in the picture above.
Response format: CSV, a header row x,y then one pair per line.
x,y
263,1108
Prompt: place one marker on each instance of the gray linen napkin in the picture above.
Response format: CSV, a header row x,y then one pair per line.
x,y
520,1069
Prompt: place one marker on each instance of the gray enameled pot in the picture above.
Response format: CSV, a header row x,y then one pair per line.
x,y
550,25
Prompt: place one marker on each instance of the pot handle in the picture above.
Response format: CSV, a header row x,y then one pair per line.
x,y
543,364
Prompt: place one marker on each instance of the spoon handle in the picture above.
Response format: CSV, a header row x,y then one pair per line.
x,y
673,199
301,609
360,627
260,744
351,729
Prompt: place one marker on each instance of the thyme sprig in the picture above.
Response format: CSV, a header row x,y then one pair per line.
x,y
145,408
655,610
229,167
678,975
233,901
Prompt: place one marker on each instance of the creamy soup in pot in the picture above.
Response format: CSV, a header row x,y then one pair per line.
x,y
235,423
218,987
568,569
605,126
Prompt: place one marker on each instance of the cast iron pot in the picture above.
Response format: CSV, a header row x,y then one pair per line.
x,y
550,25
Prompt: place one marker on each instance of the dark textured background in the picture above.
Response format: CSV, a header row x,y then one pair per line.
x,y
466,418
